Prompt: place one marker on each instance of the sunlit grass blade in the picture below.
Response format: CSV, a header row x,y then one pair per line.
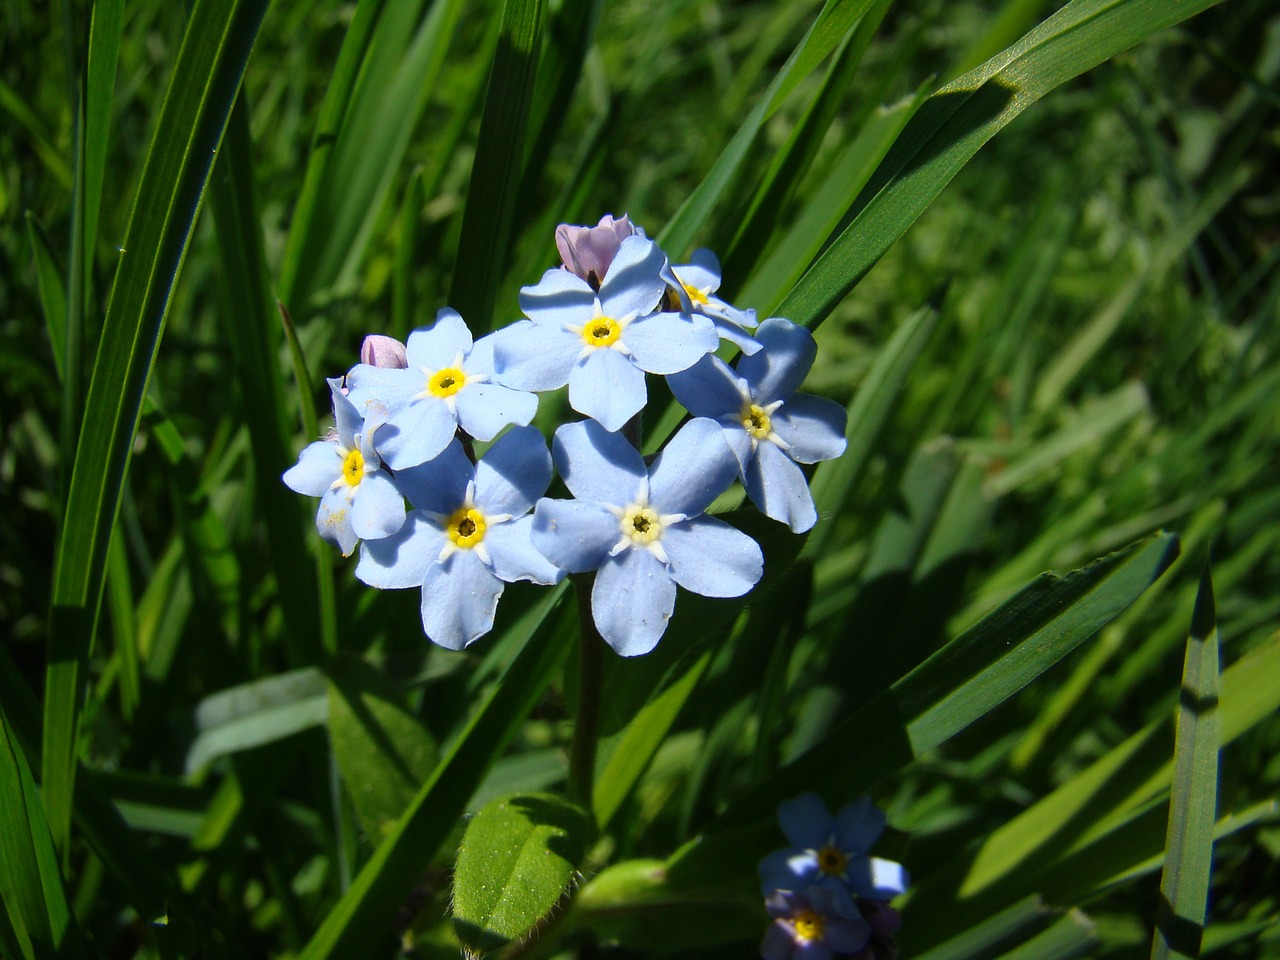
x,y
955,123
994,932
53,292
202,89
106,29
1072,936
1184,885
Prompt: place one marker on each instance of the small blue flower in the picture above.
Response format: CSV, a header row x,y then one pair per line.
x,y
811,924
695,283
468,537
768,426
358,500
601,343
447,383
642,529
832,852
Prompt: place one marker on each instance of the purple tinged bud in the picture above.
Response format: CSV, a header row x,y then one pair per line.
x,y
380,351
587,252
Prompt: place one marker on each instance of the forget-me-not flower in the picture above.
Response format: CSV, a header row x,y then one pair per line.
x,y
811,924
695,284
770,428
601,343
587,252
447,383
358,500
832,852
642,530
468,537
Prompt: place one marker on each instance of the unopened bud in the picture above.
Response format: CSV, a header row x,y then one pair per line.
x,y
380,351
587,252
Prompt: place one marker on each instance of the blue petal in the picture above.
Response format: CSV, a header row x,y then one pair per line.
x,y
377,509
559,298
702,272
830,898
728,330
779,489
877,879
333,519
392,386
806,821
318,466
439,345
575,535
597,464
670,342
632,601
607,387
402,559
777,943
846,935
813,427
514,473
440,484
711,558
459,599
529,357
347,418
777,371
694,468
859,825
788,869
416,434
480,360
634,282
485,408
707,389
514,557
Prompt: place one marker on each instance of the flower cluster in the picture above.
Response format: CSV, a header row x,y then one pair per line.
x,y
826,894
615,312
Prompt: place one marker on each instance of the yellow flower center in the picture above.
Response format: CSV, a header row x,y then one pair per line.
x,y
446,382
698,298
808,925
601,332
756,421
641,524
353,468
832,861
466,527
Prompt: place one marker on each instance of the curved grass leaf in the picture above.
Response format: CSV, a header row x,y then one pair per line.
x,y
1072,936
53,294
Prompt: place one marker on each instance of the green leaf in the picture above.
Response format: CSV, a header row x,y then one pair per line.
x,y
53,294
993,933
257,713
382,750
1072,936
1184,886
106,27
518,858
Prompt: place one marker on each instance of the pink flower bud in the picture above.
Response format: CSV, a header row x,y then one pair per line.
x,y
380,351
587,251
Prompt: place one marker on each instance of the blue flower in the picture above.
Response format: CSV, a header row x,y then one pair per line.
x,y
468,537
642,530
446,384
768,426
832,852
601,343
811,924
358,500
695,283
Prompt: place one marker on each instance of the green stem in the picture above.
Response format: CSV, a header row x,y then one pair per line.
x,y
586,732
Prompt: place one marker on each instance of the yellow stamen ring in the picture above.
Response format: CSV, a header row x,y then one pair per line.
x,y
808,925
466,527
446,382
696,296
601,332
755,420
832,861
353,468
641,524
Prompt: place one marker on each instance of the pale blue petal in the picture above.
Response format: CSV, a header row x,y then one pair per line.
x,y
480,360
485,408
514,473
877,879
777,371
459,599
575,535
806,822
608,387
333,519
529,357
788,869
559,298
393,387
779,489
347,419
813,427
513,555
634,282
711,558
707,389
318,466
440,484
702,272
416,434
859,825
739,442
402,559
694,468
670,342
439,345
377,509
632,601
727,330
597,464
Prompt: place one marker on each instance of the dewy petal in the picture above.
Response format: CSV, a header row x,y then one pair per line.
x,y
859,825
416,434
707,389
812,427
607,387
439,345
459,599
347,419
531,357
439,485
318,466
806,821
694,468
333,520
485,408
632,601
558,298
634,282
514,473
876,879
402,559
377,509
597,464
777,371
575,535
779,489
667,343
711,558
514,557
